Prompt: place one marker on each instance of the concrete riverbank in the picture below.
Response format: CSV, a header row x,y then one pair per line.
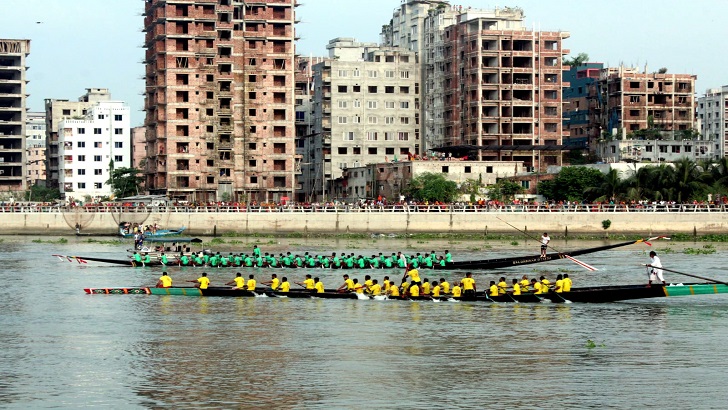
x,y
310,223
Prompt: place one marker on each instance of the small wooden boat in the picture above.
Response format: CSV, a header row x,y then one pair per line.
x,y
158,233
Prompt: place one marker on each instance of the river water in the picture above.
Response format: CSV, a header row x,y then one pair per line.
x,y
62,348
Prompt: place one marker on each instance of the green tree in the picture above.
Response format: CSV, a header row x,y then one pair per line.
x,y
125,181
39,193
431,187
580,59
504,190
571,184
472,187
609,189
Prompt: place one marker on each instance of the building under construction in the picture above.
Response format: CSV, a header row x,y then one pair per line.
x,y
220,99
12,113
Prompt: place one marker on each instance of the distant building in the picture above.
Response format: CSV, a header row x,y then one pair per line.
x,y
35,158
91,147
713,118
577,81
138,147
57,110
13,95
304,127
656,151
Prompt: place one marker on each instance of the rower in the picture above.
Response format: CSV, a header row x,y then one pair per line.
x,y
457,291
414,274
414,289
393,291
516,288
559,285
318,285
164,281
238,283
426,286
256,251
147,259
202,282
368,282
502,285
493,289
545,284
566,286
386,283
403,287
251,283
468,285
285,285
348,285
358,287
137,259
448,257
537,287
435,289
309,283
524,283
375,289
163,259
445,285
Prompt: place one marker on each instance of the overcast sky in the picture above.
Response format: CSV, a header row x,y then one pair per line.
x,y
97,43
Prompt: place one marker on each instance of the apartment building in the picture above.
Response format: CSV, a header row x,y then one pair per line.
x,y
13,96
576,103
625,100
503,92
220,99
91,147
305,147
56,110
35,158
713,118
365,110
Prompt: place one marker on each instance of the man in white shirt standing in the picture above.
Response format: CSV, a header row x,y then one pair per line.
x,y
654,270
544,244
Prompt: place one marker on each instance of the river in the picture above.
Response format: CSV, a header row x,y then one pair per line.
x,y
62,348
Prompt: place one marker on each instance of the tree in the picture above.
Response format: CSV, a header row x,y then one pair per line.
x,y
38,193
125,182
580,59
609,189
504,190
472,187
571,184
431,187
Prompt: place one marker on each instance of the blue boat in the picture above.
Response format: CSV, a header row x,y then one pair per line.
x,y
158,233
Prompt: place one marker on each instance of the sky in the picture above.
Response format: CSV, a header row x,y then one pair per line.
x,y
79,44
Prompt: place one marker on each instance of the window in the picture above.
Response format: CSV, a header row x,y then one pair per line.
x,y
342,88
403,136
404,74
342,120
98,171
356,73
372,73
372,89
389,89
404,120
118,144
489,170
118,158
372,136
372,105
468,170
372,119
342,73
118,131
102,116
389,120
356,119
343,150
349,136
389,74
81,172
98,144
343,104
526,184
356,88
445,169
97,131
389,151
118,117
81,185
406,90
634,98
81,131
81,158
675,149
97,185
357,104
389,136
389,104
81,144
97,158
403,104
372,150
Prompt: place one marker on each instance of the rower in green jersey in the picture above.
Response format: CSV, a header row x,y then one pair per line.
x,y
147,259
441,262
163,259
137,259
184,261
256,251
197,260
428,262
248,261
349,262
448,257
388,263
374,262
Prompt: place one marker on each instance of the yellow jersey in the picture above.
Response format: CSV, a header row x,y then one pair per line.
x,y
284,287
414,274
559,286
405,286
545,286
349,284
251,284
445,287
502,288
436,291
239,282
456,291
358,288
426,288
524,285
468,283
308,283
393,291
493,290
376,290
319,286
537,288
566,286
368,284
166,281
204,282
516,289
386,285
414,290
274,283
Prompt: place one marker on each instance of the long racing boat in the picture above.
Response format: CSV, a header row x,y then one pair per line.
x,y
594,294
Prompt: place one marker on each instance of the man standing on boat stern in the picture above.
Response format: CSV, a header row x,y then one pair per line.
x,y
544,244
654,269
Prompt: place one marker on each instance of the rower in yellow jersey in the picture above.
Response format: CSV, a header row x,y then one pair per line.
x,y
309,283
567,283
368,284
202,282
386,283
238,283
536,287
457,291
375,289
318,285
559,285
502,285
251,283
445,285
435,289
414,290
393,291
348,285
524,283
358,288
516,288
493,290
426,286
545,284
274,282
285,285
468,285
403,287
414,275
164,281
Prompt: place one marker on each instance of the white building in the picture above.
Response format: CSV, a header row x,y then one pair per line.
x,y
655,151
712,118
35,142
90,147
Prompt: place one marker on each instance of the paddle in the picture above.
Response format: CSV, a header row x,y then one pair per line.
x,y
687,274
578,262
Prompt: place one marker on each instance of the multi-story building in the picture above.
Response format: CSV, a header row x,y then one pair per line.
x,y
57,110
35,148
91,148
220,99
139,147
713,118
625,100
304,127
655,150
12,114
576,100
365,109
503,92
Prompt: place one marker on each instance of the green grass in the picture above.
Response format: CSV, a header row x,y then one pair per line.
x,y
60,241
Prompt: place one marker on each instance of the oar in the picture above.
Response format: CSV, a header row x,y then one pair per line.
x,y
578,262
687,274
